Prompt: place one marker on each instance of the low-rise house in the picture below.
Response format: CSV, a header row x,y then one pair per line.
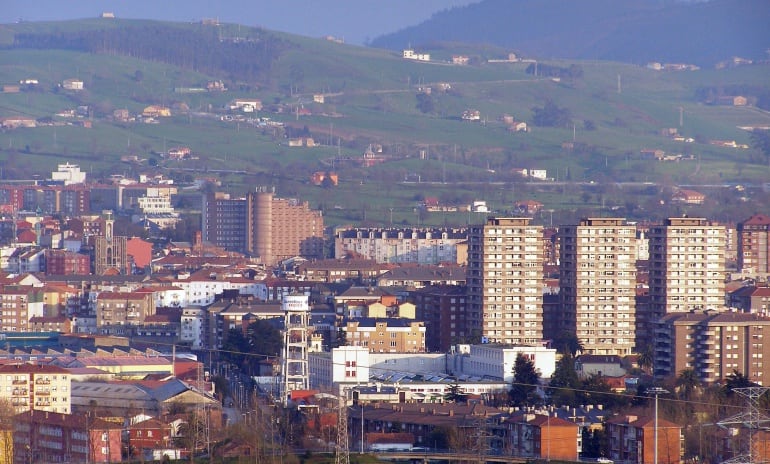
x,y
471,115
751,299
528,206
16,122
149,434
410,54
156,111
689,197
731,100
602,365
72,84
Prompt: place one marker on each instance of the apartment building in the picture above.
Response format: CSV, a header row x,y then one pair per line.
x,y
30,387
443,309
42,436
543,437
63,262
687,265
505,281
124,308
598,284
224,221
632,440
281,228
19,305
754,245
713,344
262,225
389,335
401,245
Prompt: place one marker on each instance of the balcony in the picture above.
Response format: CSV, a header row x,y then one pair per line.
x,y
19,382
43,393
42,382
19,392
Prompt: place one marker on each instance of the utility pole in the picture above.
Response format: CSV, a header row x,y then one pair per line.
x,y
656,391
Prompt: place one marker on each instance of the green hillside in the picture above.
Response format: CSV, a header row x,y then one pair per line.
x,y
370,98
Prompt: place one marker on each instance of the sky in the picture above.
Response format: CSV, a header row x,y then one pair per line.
x,y
356,21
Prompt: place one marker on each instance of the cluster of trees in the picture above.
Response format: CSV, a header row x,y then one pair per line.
x,y
199,49
551,115
573,71
262,340
758,95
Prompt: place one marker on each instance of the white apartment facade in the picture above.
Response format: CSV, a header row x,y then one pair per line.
x,y
598,284
505,281
397,245
687,265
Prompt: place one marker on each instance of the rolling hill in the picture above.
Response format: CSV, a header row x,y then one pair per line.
x,y
638,31
349,98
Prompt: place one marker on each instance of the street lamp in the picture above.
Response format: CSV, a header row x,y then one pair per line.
x,y
656,391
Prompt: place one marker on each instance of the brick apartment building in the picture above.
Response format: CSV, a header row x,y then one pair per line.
x,y
442,309
543,437
262,225
386,335
754,245
632,440
42,436
713,344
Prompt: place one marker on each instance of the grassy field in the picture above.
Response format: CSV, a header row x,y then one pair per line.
x,y
373,95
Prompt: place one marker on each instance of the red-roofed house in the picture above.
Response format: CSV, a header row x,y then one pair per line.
x,y
689,197
149,434
529,206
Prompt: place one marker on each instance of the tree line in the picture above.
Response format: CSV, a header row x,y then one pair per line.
x,y
199,49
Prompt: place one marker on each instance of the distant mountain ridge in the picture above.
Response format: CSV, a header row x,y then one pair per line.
x,y
635,31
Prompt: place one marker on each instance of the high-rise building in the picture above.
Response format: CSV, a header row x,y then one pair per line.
x,y
224,221
264,226
598,284
754,245
687,266
505,281
280,228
